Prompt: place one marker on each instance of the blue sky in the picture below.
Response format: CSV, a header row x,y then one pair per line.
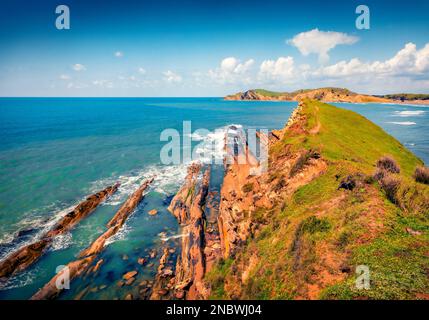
x,y
211,48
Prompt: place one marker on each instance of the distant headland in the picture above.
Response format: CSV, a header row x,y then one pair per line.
x,y
329,94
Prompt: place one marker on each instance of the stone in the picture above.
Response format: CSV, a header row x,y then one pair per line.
x,y
141,261
129,275
130,281
153,212
129,296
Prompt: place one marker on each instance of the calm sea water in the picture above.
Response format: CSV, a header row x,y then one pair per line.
x,y
54,152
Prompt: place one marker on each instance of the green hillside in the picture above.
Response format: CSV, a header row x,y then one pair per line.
x,y
309,245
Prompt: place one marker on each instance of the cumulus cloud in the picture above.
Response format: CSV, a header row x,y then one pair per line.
x,y
65,77
409,61
320,42
172,77
78,67
141,70
119,54
283,69
231,70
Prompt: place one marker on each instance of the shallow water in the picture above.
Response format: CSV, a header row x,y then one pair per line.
x,y
55,152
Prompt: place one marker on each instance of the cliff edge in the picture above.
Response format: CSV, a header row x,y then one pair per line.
x,y
339,200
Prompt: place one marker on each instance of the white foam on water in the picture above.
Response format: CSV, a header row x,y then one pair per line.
x,y
37,222
409,113
62,241
403,123
120,235
20,280
177,236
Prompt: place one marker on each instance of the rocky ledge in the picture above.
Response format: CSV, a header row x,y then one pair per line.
x,y
27,255
88,256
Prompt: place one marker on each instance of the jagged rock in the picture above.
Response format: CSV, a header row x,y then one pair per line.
x,y
129,296
26,256
87,256
141,261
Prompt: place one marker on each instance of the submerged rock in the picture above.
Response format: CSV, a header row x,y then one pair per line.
x,y
153,212
129,275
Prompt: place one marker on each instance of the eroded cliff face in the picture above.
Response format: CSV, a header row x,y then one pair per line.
x,y
247,197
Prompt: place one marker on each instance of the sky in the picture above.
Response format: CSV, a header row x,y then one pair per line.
x,y
211,48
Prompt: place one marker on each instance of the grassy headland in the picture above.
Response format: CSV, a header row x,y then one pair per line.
x,y
310,242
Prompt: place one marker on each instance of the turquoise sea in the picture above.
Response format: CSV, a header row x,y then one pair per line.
x,y
56,151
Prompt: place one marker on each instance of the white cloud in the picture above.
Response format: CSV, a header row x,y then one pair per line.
x,y
141,70
172,77
119,54
282,69
231,70
78,67
320,42
406,62
65,77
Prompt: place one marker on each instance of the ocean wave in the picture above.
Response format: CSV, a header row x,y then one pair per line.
x,y
62,241
165,238
121,235
20,280
409,113
403,123
37,223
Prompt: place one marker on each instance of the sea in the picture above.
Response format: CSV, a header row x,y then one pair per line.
x,y
54,152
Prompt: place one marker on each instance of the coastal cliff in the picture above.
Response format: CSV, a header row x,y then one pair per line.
x,y
339,193
328,95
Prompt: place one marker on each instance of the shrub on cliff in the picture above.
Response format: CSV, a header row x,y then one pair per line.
x,y
388,164
422,175
390,184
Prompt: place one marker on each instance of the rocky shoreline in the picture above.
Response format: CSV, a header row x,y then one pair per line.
x,y
88,256
27,255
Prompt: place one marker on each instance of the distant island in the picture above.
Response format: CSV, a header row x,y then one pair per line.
x,y
329,94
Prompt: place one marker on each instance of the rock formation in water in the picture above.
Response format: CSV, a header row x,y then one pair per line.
x,y
28,254
189,206
88,256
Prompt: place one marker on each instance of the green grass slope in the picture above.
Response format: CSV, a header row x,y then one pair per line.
x,y
310,244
